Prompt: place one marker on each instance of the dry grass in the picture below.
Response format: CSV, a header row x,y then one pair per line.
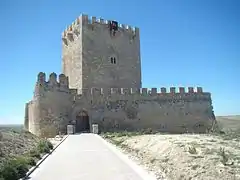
x,y
186,156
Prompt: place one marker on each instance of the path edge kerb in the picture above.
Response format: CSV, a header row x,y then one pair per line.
x,y
43,159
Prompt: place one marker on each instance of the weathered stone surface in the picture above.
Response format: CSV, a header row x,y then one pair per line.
x,y
102,77
87,60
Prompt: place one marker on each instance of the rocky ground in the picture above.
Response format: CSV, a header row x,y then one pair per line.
x,y
13,142
55,141
185,157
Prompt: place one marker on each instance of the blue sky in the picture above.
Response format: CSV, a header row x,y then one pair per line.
x,y
183,43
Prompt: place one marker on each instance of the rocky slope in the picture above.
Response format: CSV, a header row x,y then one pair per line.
x,y
14,142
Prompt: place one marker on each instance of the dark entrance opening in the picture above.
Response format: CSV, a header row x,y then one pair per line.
x,y
82,122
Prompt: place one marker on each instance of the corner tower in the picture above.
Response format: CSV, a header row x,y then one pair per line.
x,y
101,53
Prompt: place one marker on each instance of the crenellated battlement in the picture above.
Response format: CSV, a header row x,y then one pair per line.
x,y
153,93
73,31
93,20
147,91
61,83
53,82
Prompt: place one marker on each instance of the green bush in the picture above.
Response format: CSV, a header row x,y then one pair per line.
x,y
35,154
31,161
8,171
44,146
14,169
21,166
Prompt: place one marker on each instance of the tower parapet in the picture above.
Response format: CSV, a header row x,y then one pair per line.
x,y
73,30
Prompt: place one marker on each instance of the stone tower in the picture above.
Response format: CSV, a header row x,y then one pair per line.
x,y
101,54
101,84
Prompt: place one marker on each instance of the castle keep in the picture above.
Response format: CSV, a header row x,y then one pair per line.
x,y
101,84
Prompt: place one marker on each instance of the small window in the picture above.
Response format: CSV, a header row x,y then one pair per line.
x,y
113,60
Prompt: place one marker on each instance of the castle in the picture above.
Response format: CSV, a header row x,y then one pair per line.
x,y
101,84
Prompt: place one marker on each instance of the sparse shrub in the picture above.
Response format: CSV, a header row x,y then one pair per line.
x,y
15,168
222,132
44,146
165,160
14,131
117,142
194,167
21,164
192,150
124,146
152,160
121,134
224,157
8,171
147,131
31,161
111,135
35,153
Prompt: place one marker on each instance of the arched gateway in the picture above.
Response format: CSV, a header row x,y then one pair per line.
x,y
82,122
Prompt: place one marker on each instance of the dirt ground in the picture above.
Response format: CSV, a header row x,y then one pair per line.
x,y
184,157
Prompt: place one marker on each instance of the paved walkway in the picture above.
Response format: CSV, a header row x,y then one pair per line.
x,y
87,157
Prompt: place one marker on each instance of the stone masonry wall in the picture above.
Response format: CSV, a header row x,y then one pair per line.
x,y
34,117
88,46
50,107
26,118
136,109
72,54
55,105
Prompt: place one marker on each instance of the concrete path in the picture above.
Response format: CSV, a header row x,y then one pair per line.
x,y
88,157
